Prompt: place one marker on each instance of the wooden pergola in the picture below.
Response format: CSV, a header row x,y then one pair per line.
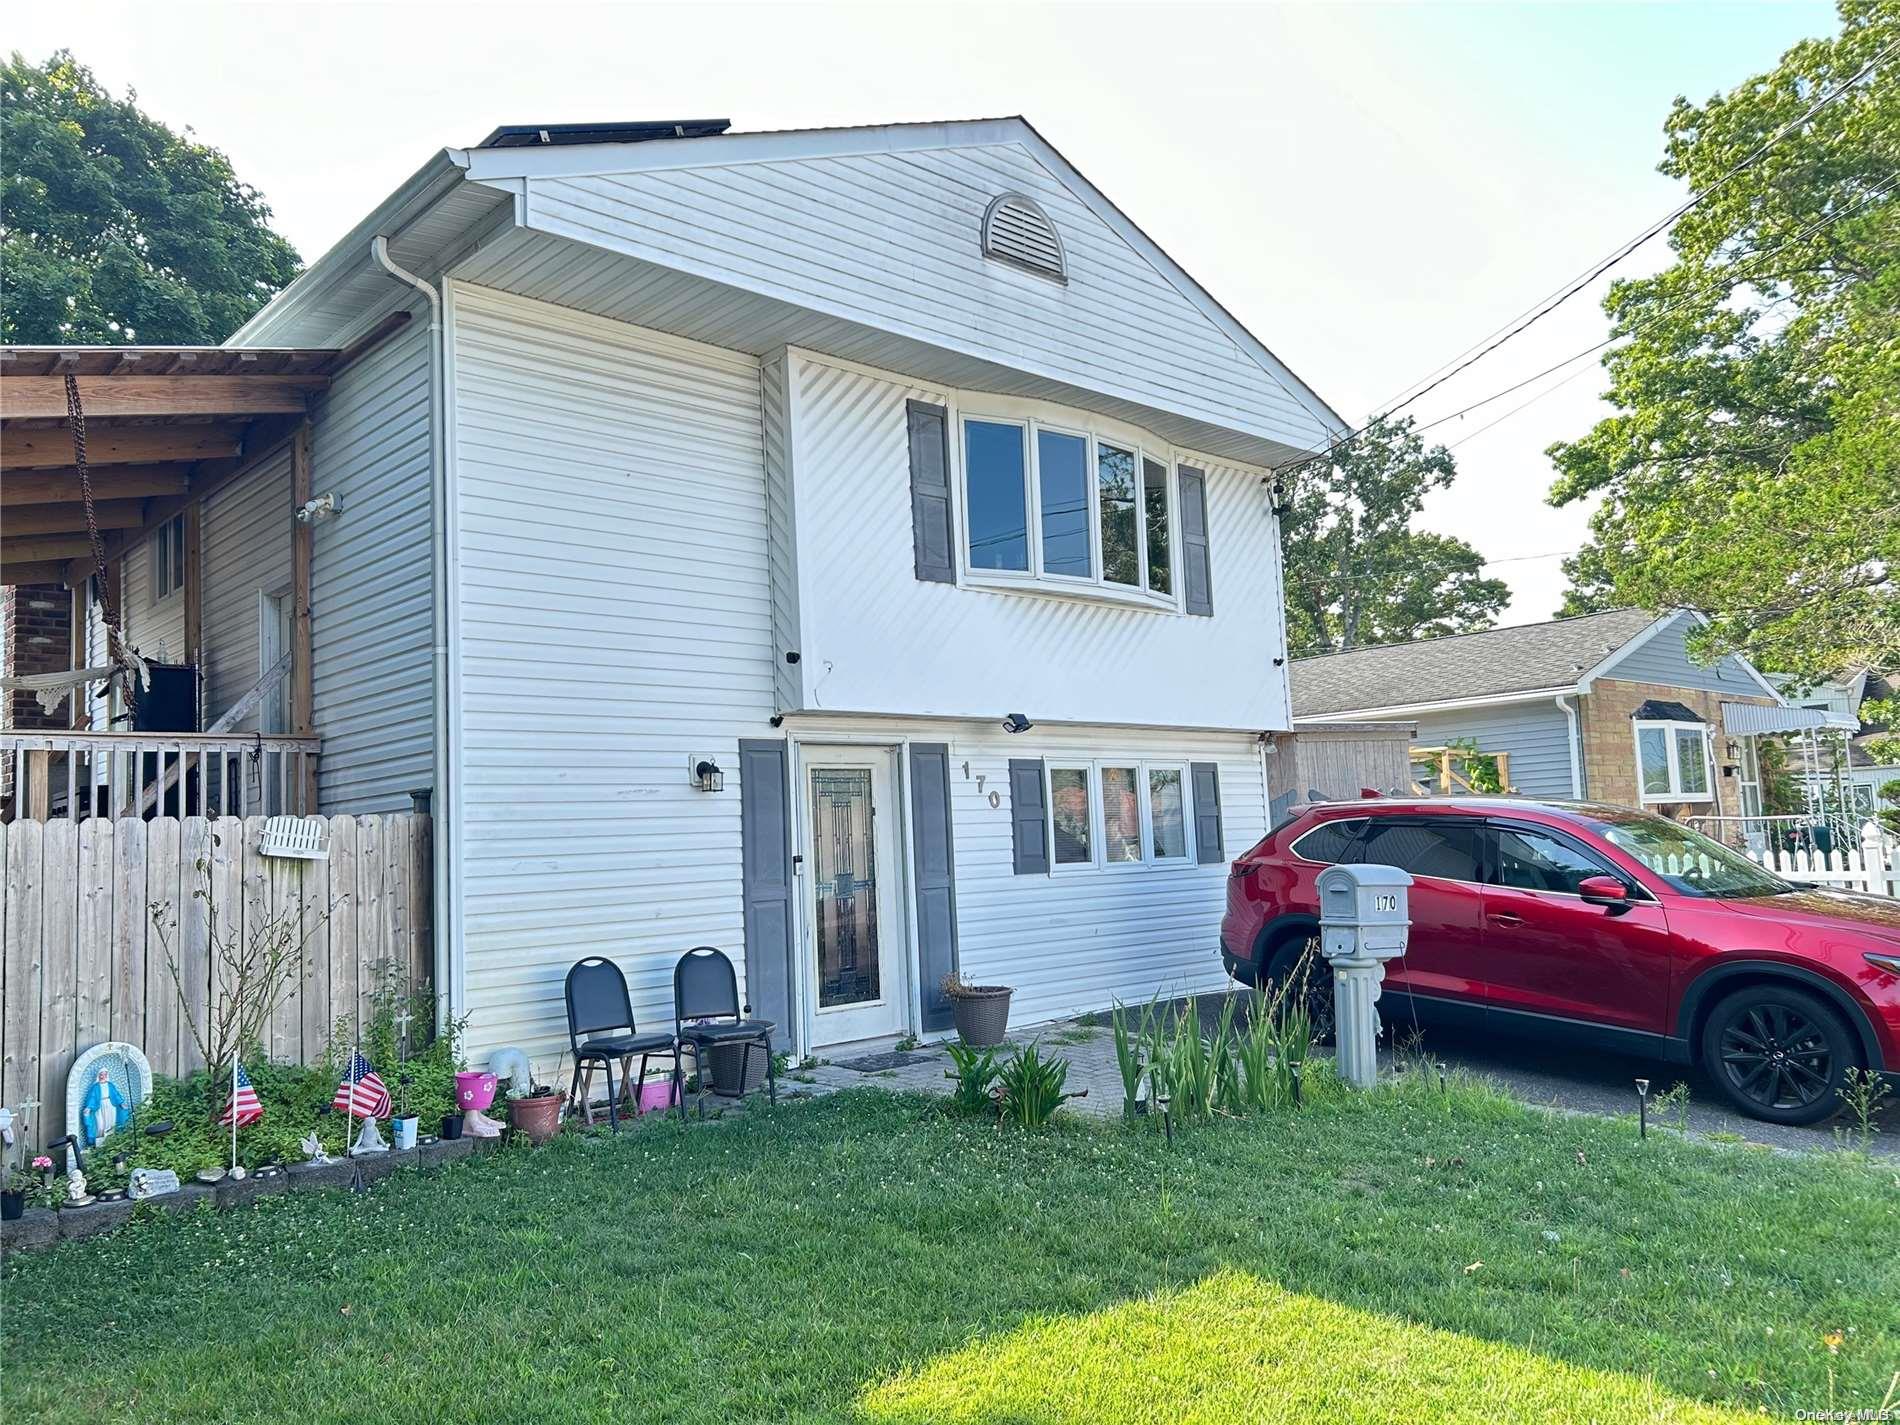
x,y
166,427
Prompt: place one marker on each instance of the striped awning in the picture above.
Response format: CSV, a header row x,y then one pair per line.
x,y
1750,719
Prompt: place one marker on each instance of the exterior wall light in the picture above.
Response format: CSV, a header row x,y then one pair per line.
x,y
1017,722
704,774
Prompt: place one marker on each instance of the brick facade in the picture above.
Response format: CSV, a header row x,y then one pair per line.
x,y
1609,744
36,636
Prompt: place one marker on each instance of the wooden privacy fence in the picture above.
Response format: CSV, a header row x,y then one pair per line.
x,y
88,909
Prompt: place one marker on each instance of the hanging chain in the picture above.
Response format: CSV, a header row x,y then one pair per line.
x,y
76,418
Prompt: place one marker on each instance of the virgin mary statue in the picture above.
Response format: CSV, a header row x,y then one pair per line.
x,y
104,1108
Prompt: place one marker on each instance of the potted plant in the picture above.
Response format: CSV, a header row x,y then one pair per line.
x,y
982,1011
29,1189
537,1114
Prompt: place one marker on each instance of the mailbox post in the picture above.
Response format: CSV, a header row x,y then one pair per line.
x,y
1364,918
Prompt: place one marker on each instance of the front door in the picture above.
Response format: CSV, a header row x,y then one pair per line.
x,y
856,978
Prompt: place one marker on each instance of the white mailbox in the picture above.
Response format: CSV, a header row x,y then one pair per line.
x,y
1364,918
1364,912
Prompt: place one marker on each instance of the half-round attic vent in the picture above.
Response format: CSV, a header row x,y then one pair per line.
x,y
1017,231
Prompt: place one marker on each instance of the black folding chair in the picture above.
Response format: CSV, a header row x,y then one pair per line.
x,y
706,1011
599,1007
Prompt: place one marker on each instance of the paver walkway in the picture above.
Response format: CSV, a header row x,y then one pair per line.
x,y
1090,1051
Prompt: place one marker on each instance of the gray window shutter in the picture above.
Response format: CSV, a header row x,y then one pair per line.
x,y
1207,836
931,835
765,833
1029,816
1197,578
930,491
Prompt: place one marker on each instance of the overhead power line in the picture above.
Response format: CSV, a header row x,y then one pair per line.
x,y
1542,309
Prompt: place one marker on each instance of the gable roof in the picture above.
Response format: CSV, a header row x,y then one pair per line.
x,y
1494,663
344,280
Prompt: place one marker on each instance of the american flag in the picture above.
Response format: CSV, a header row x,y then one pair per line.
x,y
242,1107
361,1093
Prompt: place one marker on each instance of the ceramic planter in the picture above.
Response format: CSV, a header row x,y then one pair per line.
x,y
982,1013
538,1116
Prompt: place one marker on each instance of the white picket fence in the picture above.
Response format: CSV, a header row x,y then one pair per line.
x,y
1873,866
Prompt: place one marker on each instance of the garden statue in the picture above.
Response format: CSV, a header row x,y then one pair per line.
x,y
369,1140
103,1109
107,1084
512,1064
313,1148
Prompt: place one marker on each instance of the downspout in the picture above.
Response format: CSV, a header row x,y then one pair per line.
x,y
447,922
1576,749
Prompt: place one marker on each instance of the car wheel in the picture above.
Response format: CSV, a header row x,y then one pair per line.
x,y
1298,959
1780,1054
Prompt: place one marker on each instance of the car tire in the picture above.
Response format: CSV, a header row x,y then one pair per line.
x,y
1779,1053
1285,961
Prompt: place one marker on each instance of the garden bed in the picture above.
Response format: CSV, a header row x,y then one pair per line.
x,y
1447,1255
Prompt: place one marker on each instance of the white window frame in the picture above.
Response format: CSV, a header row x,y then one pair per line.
x,y
1034,418
1098,815
1669,731
1090,780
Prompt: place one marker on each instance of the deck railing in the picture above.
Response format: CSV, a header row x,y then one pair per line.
x,y
120,774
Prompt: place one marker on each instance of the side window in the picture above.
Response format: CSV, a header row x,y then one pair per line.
x,y
1531,861
1447,851
1331,842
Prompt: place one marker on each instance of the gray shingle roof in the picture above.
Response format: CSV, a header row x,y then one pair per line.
x,y
1465,665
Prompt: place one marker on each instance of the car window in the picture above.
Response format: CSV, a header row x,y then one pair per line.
x,y
1447,850
1331,842
1531,861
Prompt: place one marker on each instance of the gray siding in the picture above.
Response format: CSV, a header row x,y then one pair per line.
x,y
371,592
1537,735
1665,659
245,536
155,629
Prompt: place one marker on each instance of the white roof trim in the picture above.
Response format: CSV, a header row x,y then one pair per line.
x,y
1406,710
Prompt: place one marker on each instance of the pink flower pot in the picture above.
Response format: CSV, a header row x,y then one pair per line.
x,y
657,1093
474,1091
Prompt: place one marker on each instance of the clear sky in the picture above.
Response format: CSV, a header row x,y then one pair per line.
x,y
1370,188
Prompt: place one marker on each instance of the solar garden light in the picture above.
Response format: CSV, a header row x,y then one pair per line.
x,y
1364,921
1642,1108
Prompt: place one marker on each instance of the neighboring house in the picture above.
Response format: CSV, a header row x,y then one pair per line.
x,y
1835,759
1608,707
848,548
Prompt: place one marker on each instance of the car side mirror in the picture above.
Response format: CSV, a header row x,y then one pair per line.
x,y
1605,891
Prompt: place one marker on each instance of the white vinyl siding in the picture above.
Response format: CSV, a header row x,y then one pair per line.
x,y
615,616
371,581
1080,939
874,638
1537,735
245,538
891,241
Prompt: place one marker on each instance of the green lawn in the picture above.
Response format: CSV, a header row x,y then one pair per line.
x,y
867,1258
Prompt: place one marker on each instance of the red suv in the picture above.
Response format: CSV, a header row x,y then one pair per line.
x,y
1600,924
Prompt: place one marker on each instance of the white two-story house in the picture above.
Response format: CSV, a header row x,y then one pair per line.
x,y
853,549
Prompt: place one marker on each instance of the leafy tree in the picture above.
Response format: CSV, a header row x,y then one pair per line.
x,y
115,229
1357,573
1752,469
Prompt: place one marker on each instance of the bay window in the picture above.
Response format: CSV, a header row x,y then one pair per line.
x,y
1063,505
1673,761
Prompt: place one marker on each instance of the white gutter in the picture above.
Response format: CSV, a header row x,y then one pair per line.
x,y
1408,710
447,922
1575,739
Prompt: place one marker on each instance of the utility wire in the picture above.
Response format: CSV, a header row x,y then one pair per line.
x,y
1543,309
